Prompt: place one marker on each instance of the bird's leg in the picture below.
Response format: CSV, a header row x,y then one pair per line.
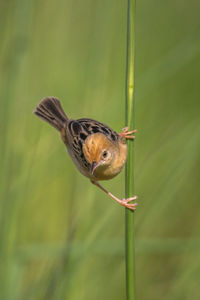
x,y
127,134
124,202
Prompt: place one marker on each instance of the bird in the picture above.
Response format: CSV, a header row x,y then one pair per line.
x,y
98,152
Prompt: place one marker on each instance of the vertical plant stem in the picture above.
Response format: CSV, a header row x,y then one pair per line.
x,y
129,119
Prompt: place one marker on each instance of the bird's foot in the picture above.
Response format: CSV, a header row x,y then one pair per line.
x,y
127,134
125,202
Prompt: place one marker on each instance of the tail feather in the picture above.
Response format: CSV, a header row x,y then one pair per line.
x,y
50,110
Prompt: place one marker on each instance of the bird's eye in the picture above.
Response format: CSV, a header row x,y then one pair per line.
x,y
104,154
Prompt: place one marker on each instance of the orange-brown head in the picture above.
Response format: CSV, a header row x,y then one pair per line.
x,y
106,157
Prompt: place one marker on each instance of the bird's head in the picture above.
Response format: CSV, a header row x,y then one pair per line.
x,y
100,152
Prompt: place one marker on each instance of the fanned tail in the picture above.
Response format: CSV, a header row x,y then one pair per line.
x,y
50,110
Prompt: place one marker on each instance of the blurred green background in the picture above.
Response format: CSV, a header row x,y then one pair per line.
x,y
61,237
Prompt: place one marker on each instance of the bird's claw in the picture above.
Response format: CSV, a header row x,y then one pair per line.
x,y
125,202
128,134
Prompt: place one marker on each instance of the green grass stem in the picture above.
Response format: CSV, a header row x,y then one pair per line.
x,y
129,119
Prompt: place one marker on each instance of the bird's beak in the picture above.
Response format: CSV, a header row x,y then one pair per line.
x,y
93,167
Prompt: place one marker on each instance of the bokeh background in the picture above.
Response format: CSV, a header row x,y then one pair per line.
x,y
61,237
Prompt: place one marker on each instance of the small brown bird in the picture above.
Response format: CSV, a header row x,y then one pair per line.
x,y
98,151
